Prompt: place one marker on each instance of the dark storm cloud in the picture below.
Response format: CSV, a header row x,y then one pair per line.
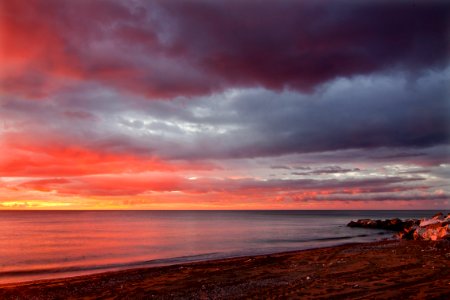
x,y
393,117
168,48
384,111
395,95
300,44
163,49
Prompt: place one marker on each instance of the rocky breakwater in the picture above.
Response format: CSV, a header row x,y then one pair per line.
x,y
435,228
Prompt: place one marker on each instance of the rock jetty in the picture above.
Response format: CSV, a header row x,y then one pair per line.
x,y
435,228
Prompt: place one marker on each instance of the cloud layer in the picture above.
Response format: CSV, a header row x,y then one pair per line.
x,y
163,49
212,104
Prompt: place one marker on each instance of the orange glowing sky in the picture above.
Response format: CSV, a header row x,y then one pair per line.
x,y
224,105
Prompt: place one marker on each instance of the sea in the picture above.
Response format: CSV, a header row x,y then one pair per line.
x,y
38,245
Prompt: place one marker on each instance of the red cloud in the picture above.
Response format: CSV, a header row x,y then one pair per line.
x,y
227,190
106,185
23,155
32,52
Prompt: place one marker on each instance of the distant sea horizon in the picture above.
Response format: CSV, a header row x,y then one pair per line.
x,y
41,244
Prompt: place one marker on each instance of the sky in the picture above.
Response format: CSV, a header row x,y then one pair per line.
x,y
137,104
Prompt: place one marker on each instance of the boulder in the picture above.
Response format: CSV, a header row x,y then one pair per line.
x,y
436,219
432,232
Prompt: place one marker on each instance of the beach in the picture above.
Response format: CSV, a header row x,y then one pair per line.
x,y
378,270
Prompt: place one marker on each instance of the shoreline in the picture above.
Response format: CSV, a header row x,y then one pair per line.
x,y
383,269
65,275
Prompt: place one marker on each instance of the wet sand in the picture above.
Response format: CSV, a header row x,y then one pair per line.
x,y
380,270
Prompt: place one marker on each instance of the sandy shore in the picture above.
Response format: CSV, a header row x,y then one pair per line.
x,y
380,270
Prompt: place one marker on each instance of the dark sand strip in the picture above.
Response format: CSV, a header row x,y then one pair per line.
x,y
380,270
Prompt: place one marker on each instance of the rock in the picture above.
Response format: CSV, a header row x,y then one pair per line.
x,y
419,233
392,224
407,233
436,219
438,216
428,222
366,223
433,232
436,228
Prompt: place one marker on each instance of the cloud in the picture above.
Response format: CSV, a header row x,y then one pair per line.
x,y
389,197
282,167
164,49
394,118
328,170
300,44
362,113
52,156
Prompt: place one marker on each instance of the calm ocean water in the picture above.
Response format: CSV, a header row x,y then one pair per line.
x,y
49,244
